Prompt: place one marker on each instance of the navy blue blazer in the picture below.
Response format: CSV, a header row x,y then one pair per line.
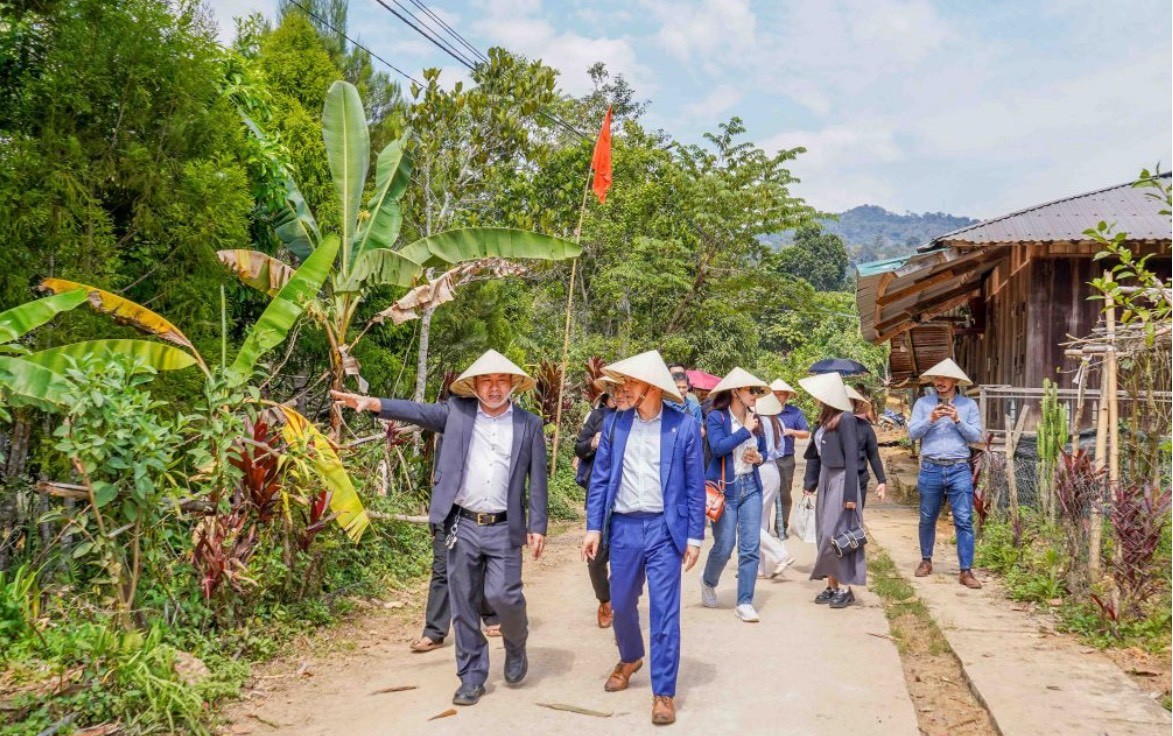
x,y
681,475
455,420
723,441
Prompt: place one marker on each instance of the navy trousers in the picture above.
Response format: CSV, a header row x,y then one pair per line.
x,y
642,549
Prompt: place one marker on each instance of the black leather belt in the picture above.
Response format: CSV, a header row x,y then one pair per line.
x,y
944,462
482,519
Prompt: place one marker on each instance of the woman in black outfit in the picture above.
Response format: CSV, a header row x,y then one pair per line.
x,y
869,447
832,472
584,448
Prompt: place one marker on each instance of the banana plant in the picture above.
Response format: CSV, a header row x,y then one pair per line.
x,y
39,378
369,235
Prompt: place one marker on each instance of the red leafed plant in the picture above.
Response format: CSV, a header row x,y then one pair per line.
x,y
316,519
1139,514
222,546
549,378
982,502
260,465
594,371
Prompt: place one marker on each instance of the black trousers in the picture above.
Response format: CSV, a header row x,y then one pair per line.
x,y
438,619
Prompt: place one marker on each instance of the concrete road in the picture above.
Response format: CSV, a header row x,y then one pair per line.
x,y
804,669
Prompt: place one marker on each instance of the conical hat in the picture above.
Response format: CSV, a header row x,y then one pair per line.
x,y
648,367
853,394
768,406
946,369
739,378
780,385
827,388
489,363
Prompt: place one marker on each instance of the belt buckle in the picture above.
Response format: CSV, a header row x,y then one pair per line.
x,y
481,519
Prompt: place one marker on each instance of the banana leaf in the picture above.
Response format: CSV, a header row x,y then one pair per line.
x,y
473,243
27,317
392,175
27,384
124,311
285,309
262,272
344,500
382,266
157,355
348,149
295,224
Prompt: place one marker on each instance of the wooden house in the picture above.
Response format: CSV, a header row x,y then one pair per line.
x,y
1001,297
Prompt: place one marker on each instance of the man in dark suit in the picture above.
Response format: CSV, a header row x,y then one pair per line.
x,y
490,449
647,503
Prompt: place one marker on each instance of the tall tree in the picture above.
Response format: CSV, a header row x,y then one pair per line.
x,y
817,256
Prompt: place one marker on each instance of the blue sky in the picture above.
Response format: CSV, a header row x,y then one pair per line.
x,y
974,108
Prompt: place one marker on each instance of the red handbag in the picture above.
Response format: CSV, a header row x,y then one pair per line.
x,y
715,496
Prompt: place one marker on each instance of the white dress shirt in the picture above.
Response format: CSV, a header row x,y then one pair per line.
x,y
640,490
485,488
741,467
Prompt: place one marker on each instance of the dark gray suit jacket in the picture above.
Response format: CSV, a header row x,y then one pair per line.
x,y
839,449
455,420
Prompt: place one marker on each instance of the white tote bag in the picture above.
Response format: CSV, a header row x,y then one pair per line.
x,y
802,523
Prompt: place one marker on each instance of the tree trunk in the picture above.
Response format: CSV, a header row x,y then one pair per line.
x,y
18,449
421,363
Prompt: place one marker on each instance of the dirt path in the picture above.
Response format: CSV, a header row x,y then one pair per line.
x,y
803,670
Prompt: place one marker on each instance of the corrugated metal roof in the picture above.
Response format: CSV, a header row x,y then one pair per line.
x,y
1134,210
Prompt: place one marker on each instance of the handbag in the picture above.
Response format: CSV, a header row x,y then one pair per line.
x,y
852,540
715,496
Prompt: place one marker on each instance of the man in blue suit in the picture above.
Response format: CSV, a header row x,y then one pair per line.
x,y
646,502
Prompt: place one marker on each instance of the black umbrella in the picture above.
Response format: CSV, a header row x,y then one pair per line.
x,y
839,365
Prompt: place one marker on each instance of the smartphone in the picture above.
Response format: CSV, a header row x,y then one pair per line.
x,y
946,400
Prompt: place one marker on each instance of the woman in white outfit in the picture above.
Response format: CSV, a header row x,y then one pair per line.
x,y
775,558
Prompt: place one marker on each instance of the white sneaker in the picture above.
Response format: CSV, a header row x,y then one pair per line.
x,y
781,566
746,613
708,595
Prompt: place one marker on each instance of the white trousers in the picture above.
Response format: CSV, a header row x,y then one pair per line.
x,y
773,550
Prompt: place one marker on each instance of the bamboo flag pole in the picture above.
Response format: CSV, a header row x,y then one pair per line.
x,y
586,191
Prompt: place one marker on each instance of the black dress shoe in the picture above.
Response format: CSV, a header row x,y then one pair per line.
x,y
516,665
843,599
825,596
468,694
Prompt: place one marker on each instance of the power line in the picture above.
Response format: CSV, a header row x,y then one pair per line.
x,y
354,43
451,31
434,40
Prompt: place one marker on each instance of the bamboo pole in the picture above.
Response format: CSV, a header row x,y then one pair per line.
x,y
586,190
1110,371
1096,536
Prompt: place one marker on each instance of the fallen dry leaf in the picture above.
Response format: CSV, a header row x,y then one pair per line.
x,y
395,689
446,714
576,709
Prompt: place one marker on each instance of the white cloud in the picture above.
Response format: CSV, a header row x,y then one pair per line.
x,y
519,26
713,106
708,31
225,11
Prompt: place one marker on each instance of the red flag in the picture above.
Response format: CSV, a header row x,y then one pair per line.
x,y
601,161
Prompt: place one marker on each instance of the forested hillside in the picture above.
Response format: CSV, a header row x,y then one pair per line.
x,y
870,232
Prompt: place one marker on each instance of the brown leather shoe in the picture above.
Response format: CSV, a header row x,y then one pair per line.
x,y
663,710
621,677
968,580
924,569
605,616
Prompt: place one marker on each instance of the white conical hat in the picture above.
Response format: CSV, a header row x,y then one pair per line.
x,y
768,406
946,369
780,385
648,367
853,394
827,388
739,378
491,362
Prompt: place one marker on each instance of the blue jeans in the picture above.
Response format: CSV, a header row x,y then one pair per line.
x,y
741,523
935,483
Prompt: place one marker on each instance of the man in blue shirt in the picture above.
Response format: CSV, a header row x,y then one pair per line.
x,y
946,424
794,427
691,404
